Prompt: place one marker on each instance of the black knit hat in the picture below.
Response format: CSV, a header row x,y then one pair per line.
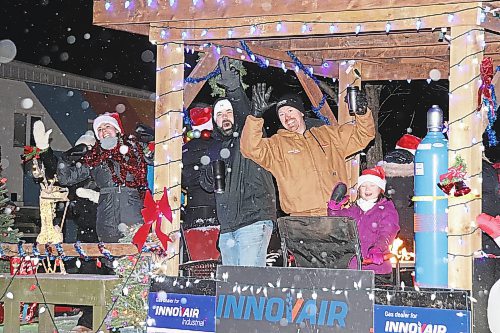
x,y
292,100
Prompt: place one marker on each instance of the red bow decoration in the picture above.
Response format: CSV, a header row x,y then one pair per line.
x,y
31,152
453,174
151,213
200,116
487,73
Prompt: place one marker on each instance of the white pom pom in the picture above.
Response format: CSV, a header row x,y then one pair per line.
x,y
7,211
123,149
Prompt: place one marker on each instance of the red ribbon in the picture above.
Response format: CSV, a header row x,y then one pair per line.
x,y
31,152
453,173
487,73
151,213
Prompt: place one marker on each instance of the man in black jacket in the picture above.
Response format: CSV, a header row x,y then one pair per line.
x,y
246,205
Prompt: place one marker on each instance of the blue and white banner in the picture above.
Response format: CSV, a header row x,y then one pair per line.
x,y
405,319
175,313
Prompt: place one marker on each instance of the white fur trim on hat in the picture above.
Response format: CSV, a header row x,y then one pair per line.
x,y
374,179
88,138
410,150
105,119
223,104
206,126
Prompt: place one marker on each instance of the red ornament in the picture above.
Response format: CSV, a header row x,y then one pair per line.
x,y
205,134
98,263
151,213
33,287
200,116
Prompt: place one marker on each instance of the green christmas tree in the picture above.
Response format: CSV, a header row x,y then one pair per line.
x,y
7,232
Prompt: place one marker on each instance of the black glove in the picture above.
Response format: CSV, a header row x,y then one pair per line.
x,y
361,103
339,192
229,76
144,133
260,100
76,153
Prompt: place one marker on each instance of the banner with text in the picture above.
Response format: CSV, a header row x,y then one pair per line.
x,y
305,300
405,319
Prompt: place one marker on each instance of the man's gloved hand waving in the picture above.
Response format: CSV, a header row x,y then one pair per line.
x,y
229,76
260,100
40,135
361,103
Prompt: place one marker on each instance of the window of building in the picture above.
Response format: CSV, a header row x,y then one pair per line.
x,y
19,129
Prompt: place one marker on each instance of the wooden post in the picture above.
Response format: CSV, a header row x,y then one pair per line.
x,y
465,130
168,142
348,78
315,95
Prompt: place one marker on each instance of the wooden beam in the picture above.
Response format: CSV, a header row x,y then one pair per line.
x,y
276,58
491,23
139,29
315,95
402,70
374,20
168,141
139,12
206,65
351,41
464,140
348,78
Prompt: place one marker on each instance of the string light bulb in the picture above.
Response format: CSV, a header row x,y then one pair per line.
x,y
172,3
388,27
278,26
358,29
332,28
204,32
253,28
451,16
184,35
418,24
217,49
283,67
266,62
304,28
107,5
230,33
127,4
150,2
195,2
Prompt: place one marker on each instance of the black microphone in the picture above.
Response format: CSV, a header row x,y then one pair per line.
x,y
219,170
339,192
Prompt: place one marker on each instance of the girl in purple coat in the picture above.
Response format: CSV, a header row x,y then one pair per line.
x,y
377,221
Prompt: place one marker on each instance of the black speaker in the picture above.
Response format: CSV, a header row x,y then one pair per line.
x,y
320,241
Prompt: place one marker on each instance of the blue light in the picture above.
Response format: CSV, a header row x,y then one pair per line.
x,y
278,26
172,2
230,33
325,65
388,27
184,35
252,56
358,29
283,67
163,33
204,32
127,4
451,17
218,49
267,62
418,24
150,2
304,28
107,5
239,50
332,28
253,28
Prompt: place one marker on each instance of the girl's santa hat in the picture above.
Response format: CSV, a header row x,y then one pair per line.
x,y
108,118
408,142
375,175
201,118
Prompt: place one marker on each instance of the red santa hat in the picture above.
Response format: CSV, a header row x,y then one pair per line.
x,y
408,142
375,175
201,118
108,118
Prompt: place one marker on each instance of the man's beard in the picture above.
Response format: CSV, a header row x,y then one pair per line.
x,y
228,131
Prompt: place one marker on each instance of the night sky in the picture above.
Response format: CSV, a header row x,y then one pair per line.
x,y
60,35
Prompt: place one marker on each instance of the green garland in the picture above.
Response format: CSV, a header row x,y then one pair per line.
x,y
218,91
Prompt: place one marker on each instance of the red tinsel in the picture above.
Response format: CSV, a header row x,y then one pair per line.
x,y
487,73
131,163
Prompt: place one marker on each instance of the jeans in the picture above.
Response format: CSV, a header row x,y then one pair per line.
x,y
246,246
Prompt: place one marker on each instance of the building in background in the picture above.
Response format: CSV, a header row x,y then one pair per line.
x,y
66,103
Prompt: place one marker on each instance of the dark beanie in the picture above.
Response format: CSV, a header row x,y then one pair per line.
x,y
292,100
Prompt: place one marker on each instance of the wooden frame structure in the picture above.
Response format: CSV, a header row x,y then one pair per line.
x,y
388,40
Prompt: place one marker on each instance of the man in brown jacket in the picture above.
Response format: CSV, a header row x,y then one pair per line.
x,y
306,162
